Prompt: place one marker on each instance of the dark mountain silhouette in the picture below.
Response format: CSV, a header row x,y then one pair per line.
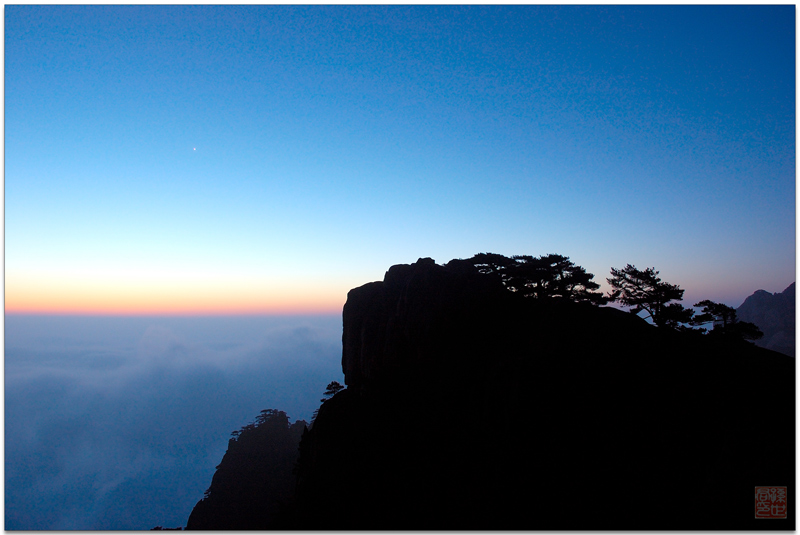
x,y
774,314
254,480
471,407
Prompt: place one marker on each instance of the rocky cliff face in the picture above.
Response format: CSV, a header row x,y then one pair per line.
x,y
254,482
410,319
469,407
774,314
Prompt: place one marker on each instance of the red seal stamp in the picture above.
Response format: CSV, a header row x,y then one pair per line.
x,y
771,502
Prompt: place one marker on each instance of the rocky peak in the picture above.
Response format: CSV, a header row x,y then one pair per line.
x,y
382,321
774,314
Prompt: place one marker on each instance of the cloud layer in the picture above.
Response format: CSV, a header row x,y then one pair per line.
x,y
118,423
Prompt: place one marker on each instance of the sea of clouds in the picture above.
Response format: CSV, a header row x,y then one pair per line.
x,y
118,422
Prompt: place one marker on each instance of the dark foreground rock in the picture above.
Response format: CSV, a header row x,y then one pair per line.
x,y
468,407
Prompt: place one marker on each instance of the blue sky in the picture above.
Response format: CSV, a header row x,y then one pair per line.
x,y
252,157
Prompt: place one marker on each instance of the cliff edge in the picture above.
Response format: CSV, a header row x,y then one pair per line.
x,y
470,407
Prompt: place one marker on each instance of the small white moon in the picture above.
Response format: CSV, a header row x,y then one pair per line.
x,y
195,148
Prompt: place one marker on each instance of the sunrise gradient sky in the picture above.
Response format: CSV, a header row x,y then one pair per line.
x,y
267,159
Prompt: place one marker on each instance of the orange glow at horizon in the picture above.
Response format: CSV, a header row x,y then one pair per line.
x,y
92,309
188,297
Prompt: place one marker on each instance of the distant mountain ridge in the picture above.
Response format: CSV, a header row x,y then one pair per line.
x,y
774,314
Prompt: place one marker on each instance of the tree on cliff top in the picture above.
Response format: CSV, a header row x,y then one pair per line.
x,y
550,275
554,275
725,322
330,391
643,290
